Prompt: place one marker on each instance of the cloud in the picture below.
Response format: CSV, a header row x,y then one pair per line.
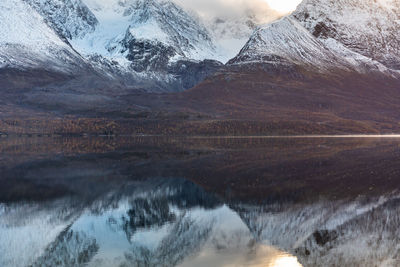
x,y
208,9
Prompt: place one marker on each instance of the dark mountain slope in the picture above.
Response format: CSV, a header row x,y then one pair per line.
x,y
348,101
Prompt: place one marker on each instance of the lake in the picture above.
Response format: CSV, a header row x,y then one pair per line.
x,y
180,201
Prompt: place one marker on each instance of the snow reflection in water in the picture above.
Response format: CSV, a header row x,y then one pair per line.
x,y
147,228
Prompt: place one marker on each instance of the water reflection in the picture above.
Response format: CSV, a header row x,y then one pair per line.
x,y
208,202
151,224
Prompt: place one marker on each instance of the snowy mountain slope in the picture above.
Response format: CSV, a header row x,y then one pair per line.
x,y
146,45
26,41
286,41
368,27
304,39
171,24
33,53
149,45
179,29
70,18
160,32
144,35
165,47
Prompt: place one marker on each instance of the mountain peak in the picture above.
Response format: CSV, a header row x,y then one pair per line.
x,y
282,42
325,34
367,27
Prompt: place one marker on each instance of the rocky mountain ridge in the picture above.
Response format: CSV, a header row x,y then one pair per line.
x,y
366,27
350,35
145,45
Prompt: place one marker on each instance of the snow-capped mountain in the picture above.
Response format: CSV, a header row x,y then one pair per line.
x,y
26,41
285,41
132,41
351,35
367,27
120,47
153,45
146,35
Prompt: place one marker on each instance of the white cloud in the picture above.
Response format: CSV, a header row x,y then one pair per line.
x,y
219,8
284,6
230,8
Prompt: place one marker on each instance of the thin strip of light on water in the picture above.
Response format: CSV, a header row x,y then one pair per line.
x,y
300,136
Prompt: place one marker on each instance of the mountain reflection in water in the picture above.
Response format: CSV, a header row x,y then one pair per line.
x,y
199,202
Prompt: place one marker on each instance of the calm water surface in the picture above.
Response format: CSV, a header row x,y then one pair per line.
x,y
149,201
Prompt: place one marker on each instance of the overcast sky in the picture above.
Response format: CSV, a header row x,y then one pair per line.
x,y
229,8
264,10
217,7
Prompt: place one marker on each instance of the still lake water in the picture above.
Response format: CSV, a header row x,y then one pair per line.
x,y
147,201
